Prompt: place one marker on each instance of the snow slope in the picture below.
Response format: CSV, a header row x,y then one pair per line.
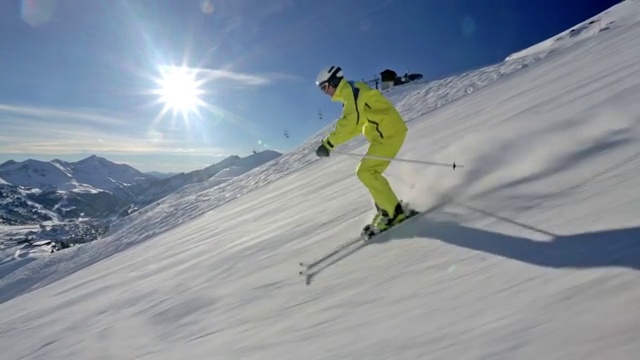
x,y
535,257
584,30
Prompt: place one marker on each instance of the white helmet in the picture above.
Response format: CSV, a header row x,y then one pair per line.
x,y
331,75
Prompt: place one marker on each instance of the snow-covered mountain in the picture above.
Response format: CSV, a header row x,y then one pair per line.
x,y
36,174
92,174
17,207
160,175
20,205
35,191
534,254
244,165
103,174
220,172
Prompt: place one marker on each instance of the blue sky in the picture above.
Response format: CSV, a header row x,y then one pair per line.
x,y
81,77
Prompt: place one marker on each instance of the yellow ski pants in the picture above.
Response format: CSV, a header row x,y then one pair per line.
x,y
370,171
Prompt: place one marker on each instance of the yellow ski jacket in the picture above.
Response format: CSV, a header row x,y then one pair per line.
x,y
365,111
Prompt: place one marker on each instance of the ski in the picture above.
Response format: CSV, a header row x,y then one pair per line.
x,y
312,268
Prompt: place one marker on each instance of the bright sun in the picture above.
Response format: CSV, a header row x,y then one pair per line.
x,y
179,90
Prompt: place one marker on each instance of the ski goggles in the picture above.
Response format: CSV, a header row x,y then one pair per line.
x,y
324,86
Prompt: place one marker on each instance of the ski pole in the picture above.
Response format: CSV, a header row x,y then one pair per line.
x,y
453,165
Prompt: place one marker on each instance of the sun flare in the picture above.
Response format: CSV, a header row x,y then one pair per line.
x,y
179,90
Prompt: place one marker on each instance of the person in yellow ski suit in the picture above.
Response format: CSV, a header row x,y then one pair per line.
x,y
367,111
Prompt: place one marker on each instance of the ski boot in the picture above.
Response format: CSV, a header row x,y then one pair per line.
x,y
370,229
382,221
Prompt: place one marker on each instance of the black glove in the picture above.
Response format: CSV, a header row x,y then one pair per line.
x,y
322,150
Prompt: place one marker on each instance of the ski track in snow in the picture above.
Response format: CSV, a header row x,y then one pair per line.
x,y
536,254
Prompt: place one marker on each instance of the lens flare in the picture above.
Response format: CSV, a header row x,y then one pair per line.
x,y
179,90
37,12
206,6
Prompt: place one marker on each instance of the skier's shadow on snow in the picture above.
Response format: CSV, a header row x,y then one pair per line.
x,y
607,248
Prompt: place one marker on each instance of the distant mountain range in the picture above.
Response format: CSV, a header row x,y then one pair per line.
x,y
33,191
160,175
91,175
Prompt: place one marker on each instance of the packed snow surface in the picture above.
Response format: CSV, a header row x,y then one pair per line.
x,y
533,253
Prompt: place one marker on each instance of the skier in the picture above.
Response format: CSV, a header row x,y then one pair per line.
x,y
367,111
